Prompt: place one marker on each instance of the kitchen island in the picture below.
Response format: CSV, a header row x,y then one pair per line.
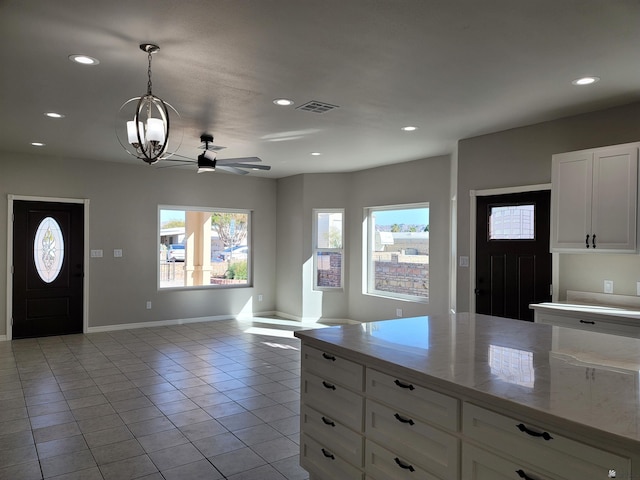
x,y
469,396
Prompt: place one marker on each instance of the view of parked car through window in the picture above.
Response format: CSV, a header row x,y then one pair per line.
x,y
203,248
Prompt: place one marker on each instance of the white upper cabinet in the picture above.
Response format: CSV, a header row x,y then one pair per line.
x,y
594,200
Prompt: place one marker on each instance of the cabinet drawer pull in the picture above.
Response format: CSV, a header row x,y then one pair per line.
x,y
328,422
521,474
587,241
328,385
593,240
328,454
402,419
326,356
404,385
406,466
524,429
588,322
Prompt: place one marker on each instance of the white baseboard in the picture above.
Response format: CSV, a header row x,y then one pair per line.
x,y
159,323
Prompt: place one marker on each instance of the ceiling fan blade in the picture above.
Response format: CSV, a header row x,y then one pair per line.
x,y
237,171
212,148
223,161
176,157
248,165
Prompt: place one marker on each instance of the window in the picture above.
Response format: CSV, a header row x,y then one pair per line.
x,y
203,247
397,248
328,254
512,222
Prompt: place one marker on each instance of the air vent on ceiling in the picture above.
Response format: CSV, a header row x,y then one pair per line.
x,y
316,107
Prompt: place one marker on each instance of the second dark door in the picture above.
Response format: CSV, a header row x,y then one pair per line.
x,y
513,262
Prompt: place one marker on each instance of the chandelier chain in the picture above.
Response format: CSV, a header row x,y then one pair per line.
x,y
149,74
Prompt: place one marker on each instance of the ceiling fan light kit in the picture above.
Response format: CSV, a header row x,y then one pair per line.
x,y
148,132
205,164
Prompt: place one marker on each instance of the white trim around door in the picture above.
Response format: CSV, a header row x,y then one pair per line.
x,y
473,194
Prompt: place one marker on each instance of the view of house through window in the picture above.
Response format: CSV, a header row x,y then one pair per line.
x,y
398,251
328,248
512,222
203,247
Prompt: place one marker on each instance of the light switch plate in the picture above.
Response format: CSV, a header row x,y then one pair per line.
x,y
96,253
608,286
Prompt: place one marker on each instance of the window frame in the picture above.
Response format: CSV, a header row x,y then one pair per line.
x,y
212,210
317,250
368,267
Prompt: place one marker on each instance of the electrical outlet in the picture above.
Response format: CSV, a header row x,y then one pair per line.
x,y
398,312
117,252
608,286
148,305
260,297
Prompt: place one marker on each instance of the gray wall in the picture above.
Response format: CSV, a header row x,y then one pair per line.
x,y
411,182
123,207
522,156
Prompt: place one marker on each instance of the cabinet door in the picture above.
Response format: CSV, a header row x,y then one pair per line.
x,y
615,186
572,179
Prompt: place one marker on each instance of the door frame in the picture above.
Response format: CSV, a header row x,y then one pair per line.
x,y
473,194
85,282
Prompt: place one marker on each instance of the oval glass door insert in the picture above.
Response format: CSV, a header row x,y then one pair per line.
x,y
48,249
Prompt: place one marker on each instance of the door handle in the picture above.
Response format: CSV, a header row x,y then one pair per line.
x,y
477,291
593,240
586,241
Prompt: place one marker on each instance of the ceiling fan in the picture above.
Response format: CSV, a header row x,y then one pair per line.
x,y
207,161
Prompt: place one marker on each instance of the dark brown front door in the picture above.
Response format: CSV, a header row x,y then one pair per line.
x,y
48,263
513,262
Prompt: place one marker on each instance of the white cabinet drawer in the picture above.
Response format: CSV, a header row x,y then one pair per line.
x,y
383,464
333,400
430,406
419,442
333,434
552,454
602,326
334,368
478,464
323,463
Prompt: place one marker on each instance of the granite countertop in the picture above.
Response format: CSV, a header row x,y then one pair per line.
x,y
583,378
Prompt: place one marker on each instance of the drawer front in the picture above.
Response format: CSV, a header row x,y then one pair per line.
x,y
478,464
415,440
334,368
533,445
333,400
430,406
333,434
323,463
383,464
630,330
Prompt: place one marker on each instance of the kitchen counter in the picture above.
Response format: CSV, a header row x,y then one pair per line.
x,y
515,367
605,313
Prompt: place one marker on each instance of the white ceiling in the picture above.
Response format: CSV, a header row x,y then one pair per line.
x,y
453,68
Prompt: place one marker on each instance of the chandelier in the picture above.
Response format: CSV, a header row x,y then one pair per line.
x,y
148,130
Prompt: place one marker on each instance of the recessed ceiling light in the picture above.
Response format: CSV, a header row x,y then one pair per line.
x,y
54,115
37,144
284,102
585,80
84,59
409,128
315,154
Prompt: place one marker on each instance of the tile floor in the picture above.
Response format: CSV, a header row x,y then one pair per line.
x,y
198,401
